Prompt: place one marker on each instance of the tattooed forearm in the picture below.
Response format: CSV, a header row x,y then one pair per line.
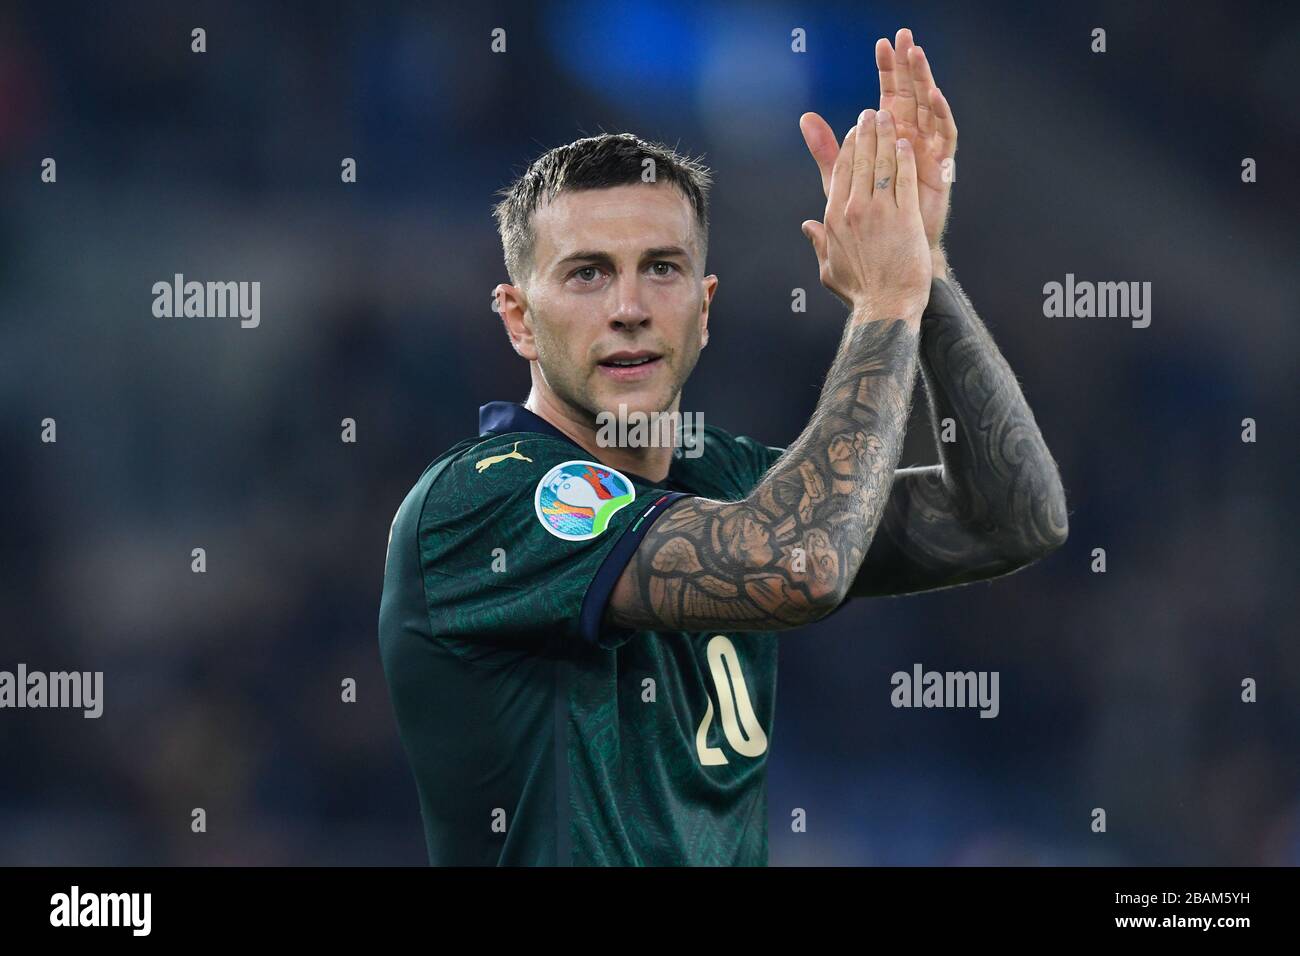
x,y
786,554
995,503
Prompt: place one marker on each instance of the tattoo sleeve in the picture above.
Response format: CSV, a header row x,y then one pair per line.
x,y
995,501
786,554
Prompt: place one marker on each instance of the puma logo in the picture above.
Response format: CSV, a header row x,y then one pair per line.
x,y
486,463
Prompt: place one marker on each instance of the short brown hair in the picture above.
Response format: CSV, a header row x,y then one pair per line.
x,y
596,162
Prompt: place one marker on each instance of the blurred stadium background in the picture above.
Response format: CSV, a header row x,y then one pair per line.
x,y
222,689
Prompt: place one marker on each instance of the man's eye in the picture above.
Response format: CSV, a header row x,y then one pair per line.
x,y
581,273
667,265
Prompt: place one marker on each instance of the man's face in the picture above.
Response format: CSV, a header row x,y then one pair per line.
x,y
617,279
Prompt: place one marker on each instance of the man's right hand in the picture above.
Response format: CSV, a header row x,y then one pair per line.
x,y
871,249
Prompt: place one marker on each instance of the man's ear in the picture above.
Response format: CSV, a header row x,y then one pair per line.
x,y
511,304
710,287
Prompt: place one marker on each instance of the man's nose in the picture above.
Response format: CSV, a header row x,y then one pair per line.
x,y
630,312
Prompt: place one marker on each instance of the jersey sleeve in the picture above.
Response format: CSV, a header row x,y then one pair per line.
x,y
521,539
757,456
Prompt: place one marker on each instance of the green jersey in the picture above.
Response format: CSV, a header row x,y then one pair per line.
x,y
538,734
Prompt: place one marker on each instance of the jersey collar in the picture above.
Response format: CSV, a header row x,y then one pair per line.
x,y
513,417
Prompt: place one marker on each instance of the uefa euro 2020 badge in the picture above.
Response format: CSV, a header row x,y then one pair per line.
x,y
576,499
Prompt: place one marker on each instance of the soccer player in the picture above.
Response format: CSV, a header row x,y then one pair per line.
x,y
580,637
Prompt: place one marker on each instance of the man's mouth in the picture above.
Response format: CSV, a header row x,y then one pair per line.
x,y
630,366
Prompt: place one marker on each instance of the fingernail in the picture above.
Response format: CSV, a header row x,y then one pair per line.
x,y
883,117
862,116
